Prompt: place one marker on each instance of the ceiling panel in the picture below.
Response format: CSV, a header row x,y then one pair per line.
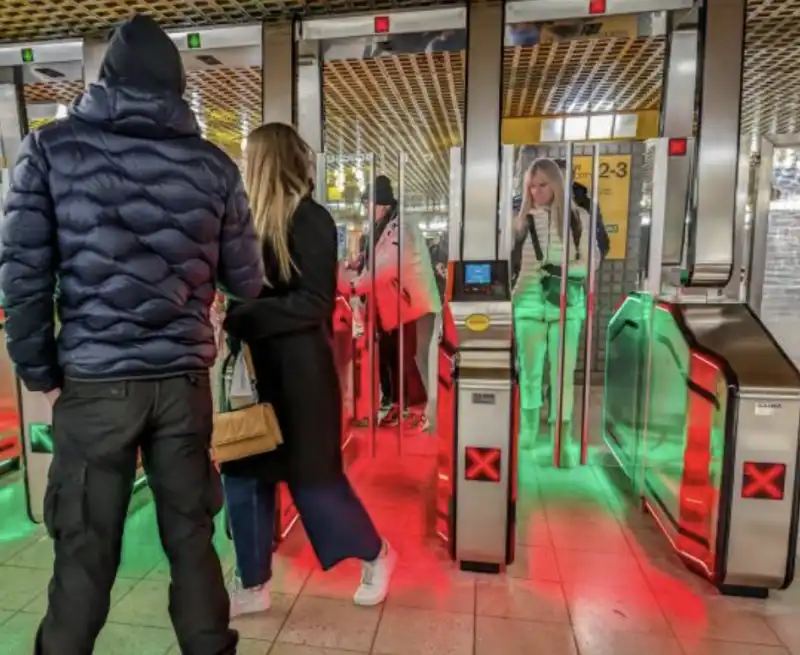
x,y
414,102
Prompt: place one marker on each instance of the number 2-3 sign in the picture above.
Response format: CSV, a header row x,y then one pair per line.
x,y
615,191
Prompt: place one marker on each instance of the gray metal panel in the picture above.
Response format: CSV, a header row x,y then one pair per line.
x,y
522,11
731,331
309,94
456,216
718,146
400,22
481,520
759,228
759,545
677,121
277,73
233,36
482,131
47,52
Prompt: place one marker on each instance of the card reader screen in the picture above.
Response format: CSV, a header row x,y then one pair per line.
x,y
477,274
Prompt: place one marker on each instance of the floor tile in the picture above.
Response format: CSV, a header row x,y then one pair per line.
x,y
339,583
537,563
787,627
695,617
705,647
265,626
406,630
116,639
330,624
146,604
37,555
445,590
512,637
5,615
623,609
20,586
532,600
19,633
292,649
604,642
581,568
600,535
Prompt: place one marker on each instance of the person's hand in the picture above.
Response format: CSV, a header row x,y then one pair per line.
x,y
52,396
441,270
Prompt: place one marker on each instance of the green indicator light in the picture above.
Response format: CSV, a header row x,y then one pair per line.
x,y
27,55
193,41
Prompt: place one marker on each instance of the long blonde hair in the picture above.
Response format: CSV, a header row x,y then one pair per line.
x,y
552,172
277,179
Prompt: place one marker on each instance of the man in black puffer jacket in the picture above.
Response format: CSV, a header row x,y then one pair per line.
x,y
122,220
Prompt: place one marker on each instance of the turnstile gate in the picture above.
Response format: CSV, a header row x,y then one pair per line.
x,y
702,411
477,419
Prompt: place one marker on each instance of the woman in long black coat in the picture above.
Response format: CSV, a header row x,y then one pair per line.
x,y
289,331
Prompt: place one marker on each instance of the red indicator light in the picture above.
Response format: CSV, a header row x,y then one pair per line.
x,y
677,147
482,464
381,24
597,6
764,481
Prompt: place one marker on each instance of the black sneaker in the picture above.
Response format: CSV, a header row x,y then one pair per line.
x,y
390,419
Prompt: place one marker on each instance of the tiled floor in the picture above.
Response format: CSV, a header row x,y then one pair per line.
x,y
592,577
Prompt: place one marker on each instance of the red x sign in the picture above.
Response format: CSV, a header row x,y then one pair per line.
x,y
764,481
482,464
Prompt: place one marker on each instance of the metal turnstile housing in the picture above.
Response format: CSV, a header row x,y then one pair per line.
x,y
702,410
477,423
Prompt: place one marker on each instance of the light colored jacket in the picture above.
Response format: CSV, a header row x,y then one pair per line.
x,y
418,294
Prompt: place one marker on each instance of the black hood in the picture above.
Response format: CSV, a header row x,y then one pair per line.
x,y
142,56
141,86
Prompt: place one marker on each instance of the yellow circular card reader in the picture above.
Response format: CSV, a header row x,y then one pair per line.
x,y
477,322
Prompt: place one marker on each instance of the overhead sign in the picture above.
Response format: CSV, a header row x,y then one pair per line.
x,y
615,192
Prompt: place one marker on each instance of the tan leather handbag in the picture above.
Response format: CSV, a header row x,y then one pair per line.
x,y
243,427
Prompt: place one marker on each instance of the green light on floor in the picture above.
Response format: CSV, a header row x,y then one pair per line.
x,y
193,41
27,55
41,438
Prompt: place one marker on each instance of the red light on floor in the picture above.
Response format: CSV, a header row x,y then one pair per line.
x,y
482,464
381,24
677,147
764,481
597,6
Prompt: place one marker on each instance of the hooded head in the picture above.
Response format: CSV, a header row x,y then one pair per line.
x,y
141,56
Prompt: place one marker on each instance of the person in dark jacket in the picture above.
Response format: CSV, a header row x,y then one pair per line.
x,y
136,217
288,331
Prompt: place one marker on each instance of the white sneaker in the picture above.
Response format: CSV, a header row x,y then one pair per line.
x,y
248,601
375,578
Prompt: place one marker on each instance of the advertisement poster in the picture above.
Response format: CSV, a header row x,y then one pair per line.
x,y
615,192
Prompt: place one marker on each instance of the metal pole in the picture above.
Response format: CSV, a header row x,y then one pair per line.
x,y
562,314
588,351
401,230
371,300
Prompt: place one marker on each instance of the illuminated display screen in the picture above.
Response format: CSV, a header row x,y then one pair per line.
x,y
478,274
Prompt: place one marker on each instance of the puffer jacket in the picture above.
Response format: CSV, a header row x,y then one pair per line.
x,y
135,218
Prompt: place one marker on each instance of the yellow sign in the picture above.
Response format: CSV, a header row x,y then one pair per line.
x,y
478,322
615,193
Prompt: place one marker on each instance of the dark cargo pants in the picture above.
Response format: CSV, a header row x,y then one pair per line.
x,y
97,429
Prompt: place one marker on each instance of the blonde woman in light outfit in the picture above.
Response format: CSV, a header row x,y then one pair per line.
x,y
536,298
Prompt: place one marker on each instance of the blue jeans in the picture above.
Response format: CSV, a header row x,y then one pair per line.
x,y
336,522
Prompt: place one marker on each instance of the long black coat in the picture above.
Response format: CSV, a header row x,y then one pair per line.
x,y
289,331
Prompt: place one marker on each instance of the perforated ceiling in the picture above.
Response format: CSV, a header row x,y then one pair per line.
x,y
414,103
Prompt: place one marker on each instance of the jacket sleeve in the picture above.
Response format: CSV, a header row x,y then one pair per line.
x,y
312,301
241,265
28,270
